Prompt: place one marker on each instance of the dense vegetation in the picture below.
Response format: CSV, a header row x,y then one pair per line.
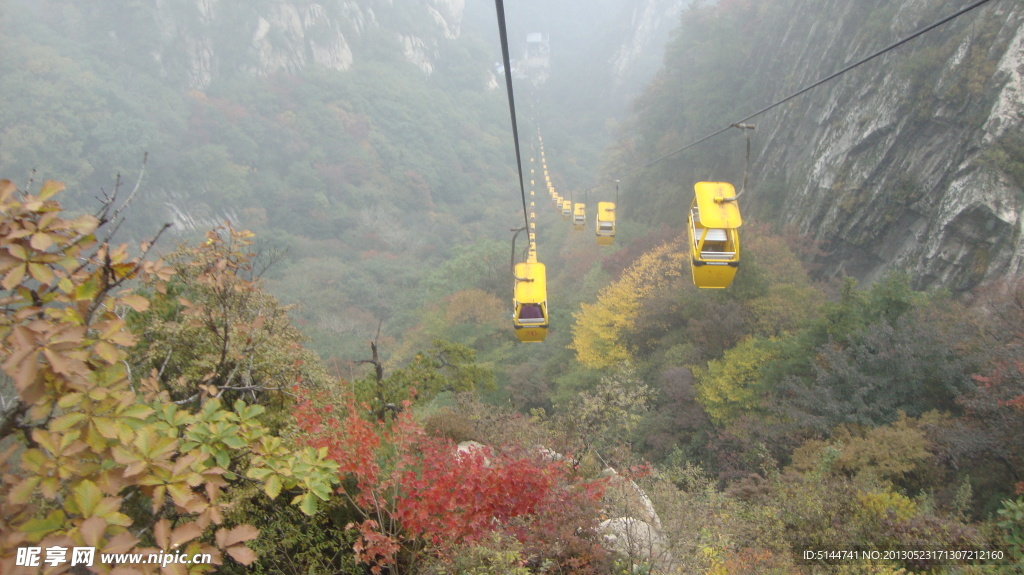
x,y
161,398
170,406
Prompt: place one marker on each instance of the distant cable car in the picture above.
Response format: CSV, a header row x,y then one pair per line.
x,y
579,217
530,300
713,232
605,223
566,209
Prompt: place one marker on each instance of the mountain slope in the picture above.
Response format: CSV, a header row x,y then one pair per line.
x,y
911,161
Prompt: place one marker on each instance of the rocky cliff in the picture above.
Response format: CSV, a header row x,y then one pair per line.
x,y
224,36
913,161
650,23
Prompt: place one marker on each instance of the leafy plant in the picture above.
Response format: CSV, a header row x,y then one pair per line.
x,y
94,457
1012,523
418,497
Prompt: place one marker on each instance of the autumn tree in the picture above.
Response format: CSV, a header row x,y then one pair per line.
x,y
93,456
736,384
988,436
417,497
599,335
213,331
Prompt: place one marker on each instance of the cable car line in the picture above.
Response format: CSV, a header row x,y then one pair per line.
x,y
824,80
500,7
530,315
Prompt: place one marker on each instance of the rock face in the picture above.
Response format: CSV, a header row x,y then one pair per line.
x,y
649,26
299,41
905,163
219,37
638,540
634,529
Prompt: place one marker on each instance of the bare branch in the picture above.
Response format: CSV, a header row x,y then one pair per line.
x,y
189,399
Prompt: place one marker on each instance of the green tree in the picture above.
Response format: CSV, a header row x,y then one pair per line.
x,y
445,367
607,415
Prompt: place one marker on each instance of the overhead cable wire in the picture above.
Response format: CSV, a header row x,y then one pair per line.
x,y
499,5
824,80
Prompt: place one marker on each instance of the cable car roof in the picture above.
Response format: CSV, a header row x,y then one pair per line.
x,y
535,291
715,212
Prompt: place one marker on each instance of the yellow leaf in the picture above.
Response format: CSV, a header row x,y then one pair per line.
x,y
106,427
106,351
45,439
88,290
120,543
41,241
273,486
136,302
92,530
7,188
42,273
162,534
85,224
66,285
67,421
50,187
124,270
180,493
14,277
61,363
123,338
22,492
242,554
49,486
229,537
94,440
135,468
87,496
18,251
184,533
25,374
159,492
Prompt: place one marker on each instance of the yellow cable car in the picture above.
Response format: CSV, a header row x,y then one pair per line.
x,y
714,239
566,209
530,300
605,223
579,217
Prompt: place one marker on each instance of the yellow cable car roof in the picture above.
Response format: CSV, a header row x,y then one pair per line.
x,y
535,291
714,212
606,211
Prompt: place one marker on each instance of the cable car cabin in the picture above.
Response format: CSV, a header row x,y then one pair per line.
x,y
605,223
530,302
715,241
579,217
566,209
